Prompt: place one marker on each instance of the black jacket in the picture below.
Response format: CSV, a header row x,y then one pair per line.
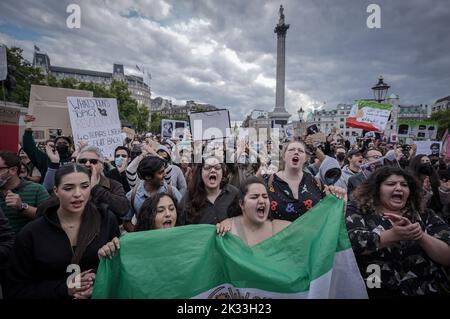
x,y
119,177
110,193
354,181
42,252
6,241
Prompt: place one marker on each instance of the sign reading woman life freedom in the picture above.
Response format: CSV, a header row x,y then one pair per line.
x,y
95,120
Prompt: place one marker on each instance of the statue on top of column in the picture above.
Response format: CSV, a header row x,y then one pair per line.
x,y
281,15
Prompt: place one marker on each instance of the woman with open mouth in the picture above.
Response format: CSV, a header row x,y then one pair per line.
x,y
157,212
62,244
209,195
392,235
251,222
293,191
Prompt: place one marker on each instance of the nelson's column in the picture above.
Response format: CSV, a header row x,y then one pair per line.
x,y
280,115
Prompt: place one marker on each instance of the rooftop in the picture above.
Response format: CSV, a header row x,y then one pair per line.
x,y
79,71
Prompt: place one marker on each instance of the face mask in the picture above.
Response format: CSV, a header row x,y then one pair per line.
x,y
426,169
330,181
62,149
335,174
118,161
340,157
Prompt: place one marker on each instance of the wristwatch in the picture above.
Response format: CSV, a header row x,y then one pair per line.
x,y
23,207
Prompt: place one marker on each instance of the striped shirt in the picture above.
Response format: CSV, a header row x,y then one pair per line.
x,y
31,193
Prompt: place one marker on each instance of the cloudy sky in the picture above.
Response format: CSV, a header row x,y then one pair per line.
x,y
223,52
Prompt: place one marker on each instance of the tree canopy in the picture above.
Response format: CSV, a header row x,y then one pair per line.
x,y
25,75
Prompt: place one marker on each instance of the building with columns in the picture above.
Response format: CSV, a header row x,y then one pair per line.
x,y
441,104
327,119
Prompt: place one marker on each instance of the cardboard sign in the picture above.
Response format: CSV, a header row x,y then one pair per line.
x,y
129,132
96,120
318,138
49,106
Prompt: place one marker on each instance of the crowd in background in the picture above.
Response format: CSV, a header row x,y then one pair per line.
x,y
63,204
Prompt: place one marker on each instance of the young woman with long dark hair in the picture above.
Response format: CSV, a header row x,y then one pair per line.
x,y
64,241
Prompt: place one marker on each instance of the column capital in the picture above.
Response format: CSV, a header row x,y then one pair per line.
x,y
281,29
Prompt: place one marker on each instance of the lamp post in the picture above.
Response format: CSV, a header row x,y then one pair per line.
x,y
300,114
380,90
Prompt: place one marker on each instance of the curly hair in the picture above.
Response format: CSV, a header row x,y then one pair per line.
x,y
367,195
148,211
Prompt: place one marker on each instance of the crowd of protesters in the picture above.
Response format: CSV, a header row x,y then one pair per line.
x,y
63,204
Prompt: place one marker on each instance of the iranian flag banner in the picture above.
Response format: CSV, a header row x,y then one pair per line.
x,y
311,258
369,115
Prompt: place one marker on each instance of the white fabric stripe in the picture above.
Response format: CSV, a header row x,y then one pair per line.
x,y
341,282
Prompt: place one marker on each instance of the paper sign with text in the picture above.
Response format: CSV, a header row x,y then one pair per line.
x,y
96,120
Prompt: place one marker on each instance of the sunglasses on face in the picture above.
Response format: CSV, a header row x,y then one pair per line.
x,y
93,161
121,155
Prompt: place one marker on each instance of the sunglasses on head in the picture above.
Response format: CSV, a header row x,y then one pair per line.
x,y
93,161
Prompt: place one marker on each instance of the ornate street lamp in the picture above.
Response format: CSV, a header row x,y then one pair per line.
x,y
300,114
380,90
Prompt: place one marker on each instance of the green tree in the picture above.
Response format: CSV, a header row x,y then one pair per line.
x,y
52,81
69,83
442,117
179,117
25,75
155,124
128,107
98,90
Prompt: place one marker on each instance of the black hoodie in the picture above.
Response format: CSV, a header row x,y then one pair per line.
x,y
42,252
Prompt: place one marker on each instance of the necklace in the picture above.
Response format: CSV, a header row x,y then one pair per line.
x,y
66,225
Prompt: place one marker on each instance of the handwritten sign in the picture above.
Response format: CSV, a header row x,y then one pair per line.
x,y
96,120
369,115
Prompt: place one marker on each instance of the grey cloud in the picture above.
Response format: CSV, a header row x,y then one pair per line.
x,y
331,55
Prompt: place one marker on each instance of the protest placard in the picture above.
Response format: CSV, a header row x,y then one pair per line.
x,y
289,131
49,106
129,132
96,121
171,129
428,147
318,138
387,160
369,115
209,125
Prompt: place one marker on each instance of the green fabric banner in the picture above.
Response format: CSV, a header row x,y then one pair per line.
x,y
192,261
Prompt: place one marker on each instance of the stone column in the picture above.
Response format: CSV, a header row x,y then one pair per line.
x,y
280,30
